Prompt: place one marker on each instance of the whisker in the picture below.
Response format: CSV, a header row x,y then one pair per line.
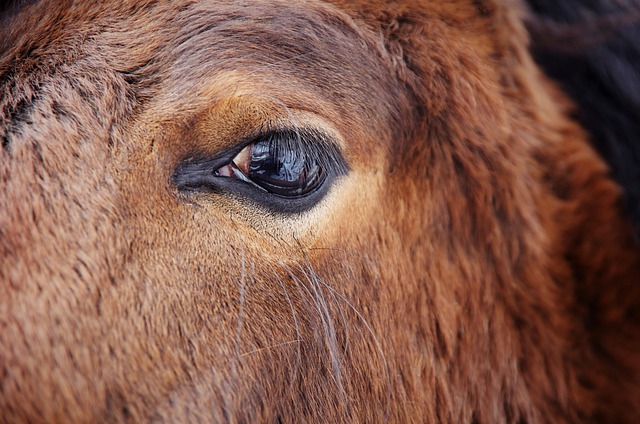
x,y
318,292
327,324
240,314
251,352
313,286
360,316
297,327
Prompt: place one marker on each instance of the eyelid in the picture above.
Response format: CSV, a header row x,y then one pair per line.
x,y
317,145
233,121
197,172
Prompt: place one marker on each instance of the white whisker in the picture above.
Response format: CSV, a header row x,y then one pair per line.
x,y
271,347
360,316
297,327
240,314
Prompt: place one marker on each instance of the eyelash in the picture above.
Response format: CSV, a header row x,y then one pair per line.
x,y
310,149
278,166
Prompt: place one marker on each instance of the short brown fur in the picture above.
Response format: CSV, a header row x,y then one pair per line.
x,y
473,266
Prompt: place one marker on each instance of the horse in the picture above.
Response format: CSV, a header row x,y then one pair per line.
x,y
435,239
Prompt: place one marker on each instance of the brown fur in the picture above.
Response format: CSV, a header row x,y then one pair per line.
x,y
471,267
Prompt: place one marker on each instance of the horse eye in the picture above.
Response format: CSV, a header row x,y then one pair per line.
x,y
278,166
286,171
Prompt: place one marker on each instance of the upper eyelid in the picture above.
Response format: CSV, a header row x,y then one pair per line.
x,y
325,150
233,121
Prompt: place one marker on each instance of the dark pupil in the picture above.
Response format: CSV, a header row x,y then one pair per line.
x,y
283,169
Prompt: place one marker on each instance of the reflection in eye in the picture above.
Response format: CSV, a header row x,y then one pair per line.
x,y
287,171
278,165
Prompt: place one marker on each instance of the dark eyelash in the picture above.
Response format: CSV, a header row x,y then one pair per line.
x,y
316,145
196,174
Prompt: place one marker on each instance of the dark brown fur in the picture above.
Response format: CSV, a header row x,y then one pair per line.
x,y
473,266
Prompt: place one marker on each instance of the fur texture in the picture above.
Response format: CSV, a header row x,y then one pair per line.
x,y
473,266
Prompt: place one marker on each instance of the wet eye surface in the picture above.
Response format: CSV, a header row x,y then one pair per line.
x,y
278,166
285,171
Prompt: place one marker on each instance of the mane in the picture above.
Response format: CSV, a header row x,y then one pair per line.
x,y
591,48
